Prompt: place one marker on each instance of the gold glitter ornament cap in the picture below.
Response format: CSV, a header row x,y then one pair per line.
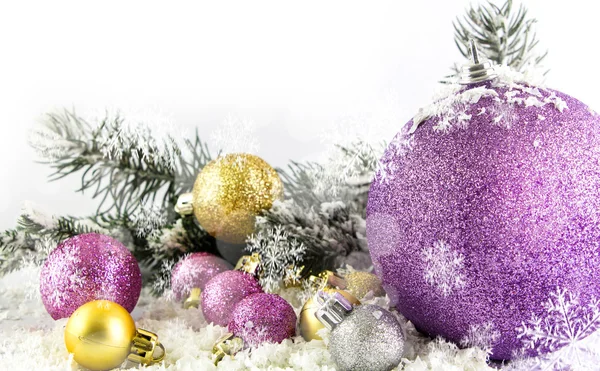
x,y
230,192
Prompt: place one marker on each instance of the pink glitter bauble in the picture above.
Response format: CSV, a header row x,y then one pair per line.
x,y
194,271
89,267
484,219
223,292
263,318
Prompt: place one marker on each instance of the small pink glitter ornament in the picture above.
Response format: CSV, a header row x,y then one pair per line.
x,y
194,271
263,318
223,292
89,267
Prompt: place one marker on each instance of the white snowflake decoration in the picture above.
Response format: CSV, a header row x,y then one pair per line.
x,y
277,252
444,267
567,331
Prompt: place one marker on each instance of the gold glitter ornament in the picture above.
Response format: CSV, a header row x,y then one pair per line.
x,y
101,335
360,283
229,193
308,322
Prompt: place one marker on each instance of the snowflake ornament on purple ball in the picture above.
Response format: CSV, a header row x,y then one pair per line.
x,y
485,214
89,267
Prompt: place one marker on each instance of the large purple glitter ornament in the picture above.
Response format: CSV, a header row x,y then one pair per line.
x,y
263,318
89,267
194,271
223,292
484,219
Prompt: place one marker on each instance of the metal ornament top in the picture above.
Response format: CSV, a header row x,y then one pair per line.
x,y
477,70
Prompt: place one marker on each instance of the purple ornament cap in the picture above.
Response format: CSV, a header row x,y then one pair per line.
x,y
263,318
89,267
223,292
194,271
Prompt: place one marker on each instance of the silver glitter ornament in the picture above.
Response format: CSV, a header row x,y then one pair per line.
x,y
366,337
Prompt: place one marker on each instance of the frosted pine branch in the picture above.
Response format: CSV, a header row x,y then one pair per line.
x,y
504,35
122,161
333,233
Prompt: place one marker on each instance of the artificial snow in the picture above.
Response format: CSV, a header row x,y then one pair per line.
x,y
31,340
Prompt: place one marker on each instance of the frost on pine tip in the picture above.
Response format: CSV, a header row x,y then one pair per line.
x,y
236,135
443,268
567,333
148,220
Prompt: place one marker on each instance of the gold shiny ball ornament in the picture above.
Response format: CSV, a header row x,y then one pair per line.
x,y
308,322
360,283
101,335
231,191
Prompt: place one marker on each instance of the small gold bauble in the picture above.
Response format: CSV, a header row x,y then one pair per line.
x,y
99,335
309,324
360,283
231,191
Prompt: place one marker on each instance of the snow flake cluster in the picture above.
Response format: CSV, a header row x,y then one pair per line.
x,y
452,104
278,252
567,332
444,267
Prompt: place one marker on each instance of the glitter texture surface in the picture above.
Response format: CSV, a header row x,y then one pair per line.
x,y
369,339
89,267
360,284
231,191
263,318
194,271
495,204
223,292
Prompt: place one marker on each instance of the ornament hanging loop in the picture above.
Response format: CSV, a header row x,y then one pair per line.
x,y
477,70
143,346
185,204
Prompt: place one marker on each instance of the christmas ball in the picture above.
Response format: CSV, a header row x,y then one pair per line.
x,y
485,215
231,191
369,338
223,292
194,271
89,267
309,325
360,284
99,335
263,318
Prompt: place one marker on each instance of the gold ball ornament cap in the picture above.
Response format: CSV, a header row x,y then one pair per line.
x,y
309,324
231,191
101,335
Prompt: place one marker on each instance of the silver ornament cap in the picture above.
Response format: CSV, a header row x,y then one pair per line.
x,y
334,308
479,69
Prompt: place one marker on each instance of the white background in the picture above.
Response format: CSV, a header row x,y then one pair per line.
x,y
293,68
